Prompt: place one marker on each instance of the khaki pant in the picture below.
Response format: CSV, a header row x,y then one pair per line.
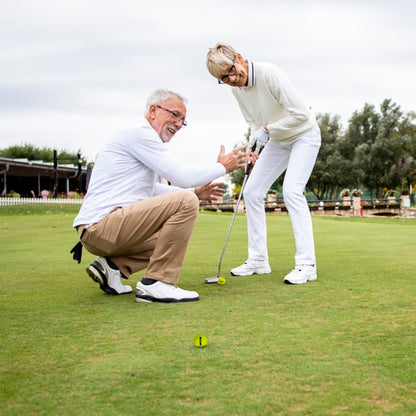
x,y
153,234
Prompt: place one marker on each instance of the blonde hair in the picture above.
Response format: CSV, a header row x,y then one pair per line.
x,y
218,57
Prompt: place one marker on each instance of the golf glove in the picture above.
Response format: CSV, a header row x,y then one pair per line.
x,y
261,136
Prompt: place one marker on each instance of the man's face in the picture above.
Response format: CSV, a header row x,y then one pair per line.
x,y
167,118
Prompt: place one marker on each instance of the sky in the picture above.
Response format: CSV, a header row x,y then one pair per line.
x,y
74,72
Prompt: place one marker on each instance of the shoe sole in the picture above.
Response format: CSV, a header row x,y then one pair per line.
x,y
251,274
101,279
288,282
150,299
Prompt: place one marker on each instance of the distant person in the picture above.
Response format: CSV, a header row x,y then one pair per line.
x,y
131,220
273,109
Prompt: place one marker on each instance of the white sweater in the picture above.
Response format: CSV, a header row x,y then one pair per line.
x,y
127,170
271,100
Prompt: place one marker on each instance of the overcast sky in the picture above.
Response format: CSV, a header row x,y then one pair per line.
x,y
73,72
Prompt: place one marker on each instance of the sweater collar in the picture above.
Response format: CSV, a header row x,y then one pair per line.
x,y
251,76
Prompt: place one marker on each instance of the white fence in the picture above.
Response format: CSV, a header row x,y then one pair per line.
x,y
32,201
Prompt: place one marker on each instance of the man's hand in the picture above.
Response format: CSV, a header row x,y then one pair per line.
x,y
209,191
233,160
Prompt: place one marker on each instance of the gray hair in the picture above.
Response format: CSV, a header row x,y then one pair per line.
x,y
218,57
161,95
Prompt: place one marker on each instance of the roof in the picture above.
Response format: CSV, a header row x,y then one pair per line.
x,y
25,167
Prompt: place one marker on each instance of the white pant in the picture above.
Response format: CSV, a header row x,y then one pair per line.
x,y
298,158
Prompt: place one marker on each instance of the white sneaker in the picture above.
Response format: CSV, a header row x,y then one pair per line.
x,y
301,274
108,278
252,267
163,292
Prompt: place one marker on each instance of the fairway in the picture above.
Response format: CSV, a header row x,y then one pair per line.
x,y
343,345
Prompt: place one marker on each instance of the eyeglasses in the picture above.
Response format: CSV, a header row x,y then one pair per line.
x,y
175,115
231,72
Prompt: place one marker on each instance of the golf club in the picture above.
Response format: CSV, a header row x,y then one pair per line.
x,y
247,173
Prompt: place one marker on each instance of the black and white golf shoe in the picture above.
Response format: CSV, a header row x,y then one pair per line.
x,y
108,278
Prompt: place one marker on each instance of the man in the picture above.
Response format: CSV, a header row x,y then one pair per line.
x,y
272,108
131,220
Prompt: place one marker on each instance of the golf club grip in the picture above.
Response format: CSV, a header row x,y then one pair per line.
x,y
250,165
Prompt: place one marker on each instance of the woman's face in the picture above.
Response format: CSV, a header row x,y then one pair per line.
x,y
237,74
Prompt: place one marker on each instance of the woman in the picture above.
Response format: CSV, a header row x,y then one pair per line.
x,y
272,108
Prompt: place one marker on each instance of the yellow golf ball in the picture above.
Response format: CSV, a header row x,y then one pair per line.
x,y
221,281
200,341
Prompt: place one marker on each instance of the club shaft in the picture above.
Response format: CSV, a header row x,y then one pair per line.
x,y
247,173
232,222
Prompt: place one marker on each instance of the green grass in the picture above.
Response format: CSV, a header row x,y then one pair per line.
x,y
39,209
343,345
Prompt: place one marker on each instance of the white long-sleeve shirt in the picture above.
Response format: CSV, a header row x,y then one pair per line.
x,y
127,170
271,100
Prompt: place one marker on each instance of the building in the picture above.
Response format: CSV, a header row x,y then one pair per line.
x,y
30,178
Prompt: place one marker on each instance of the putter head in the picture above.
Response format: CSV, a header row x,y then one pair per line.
x,y
211,280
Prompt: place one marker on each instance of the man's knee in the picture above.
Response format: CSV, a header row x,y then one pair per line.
x,y
194,201
190,202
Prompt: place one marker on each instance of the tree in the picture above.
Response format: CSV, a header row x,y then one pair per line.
x,y
237,177
407,130
31,152
381,159
376,152
331,169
